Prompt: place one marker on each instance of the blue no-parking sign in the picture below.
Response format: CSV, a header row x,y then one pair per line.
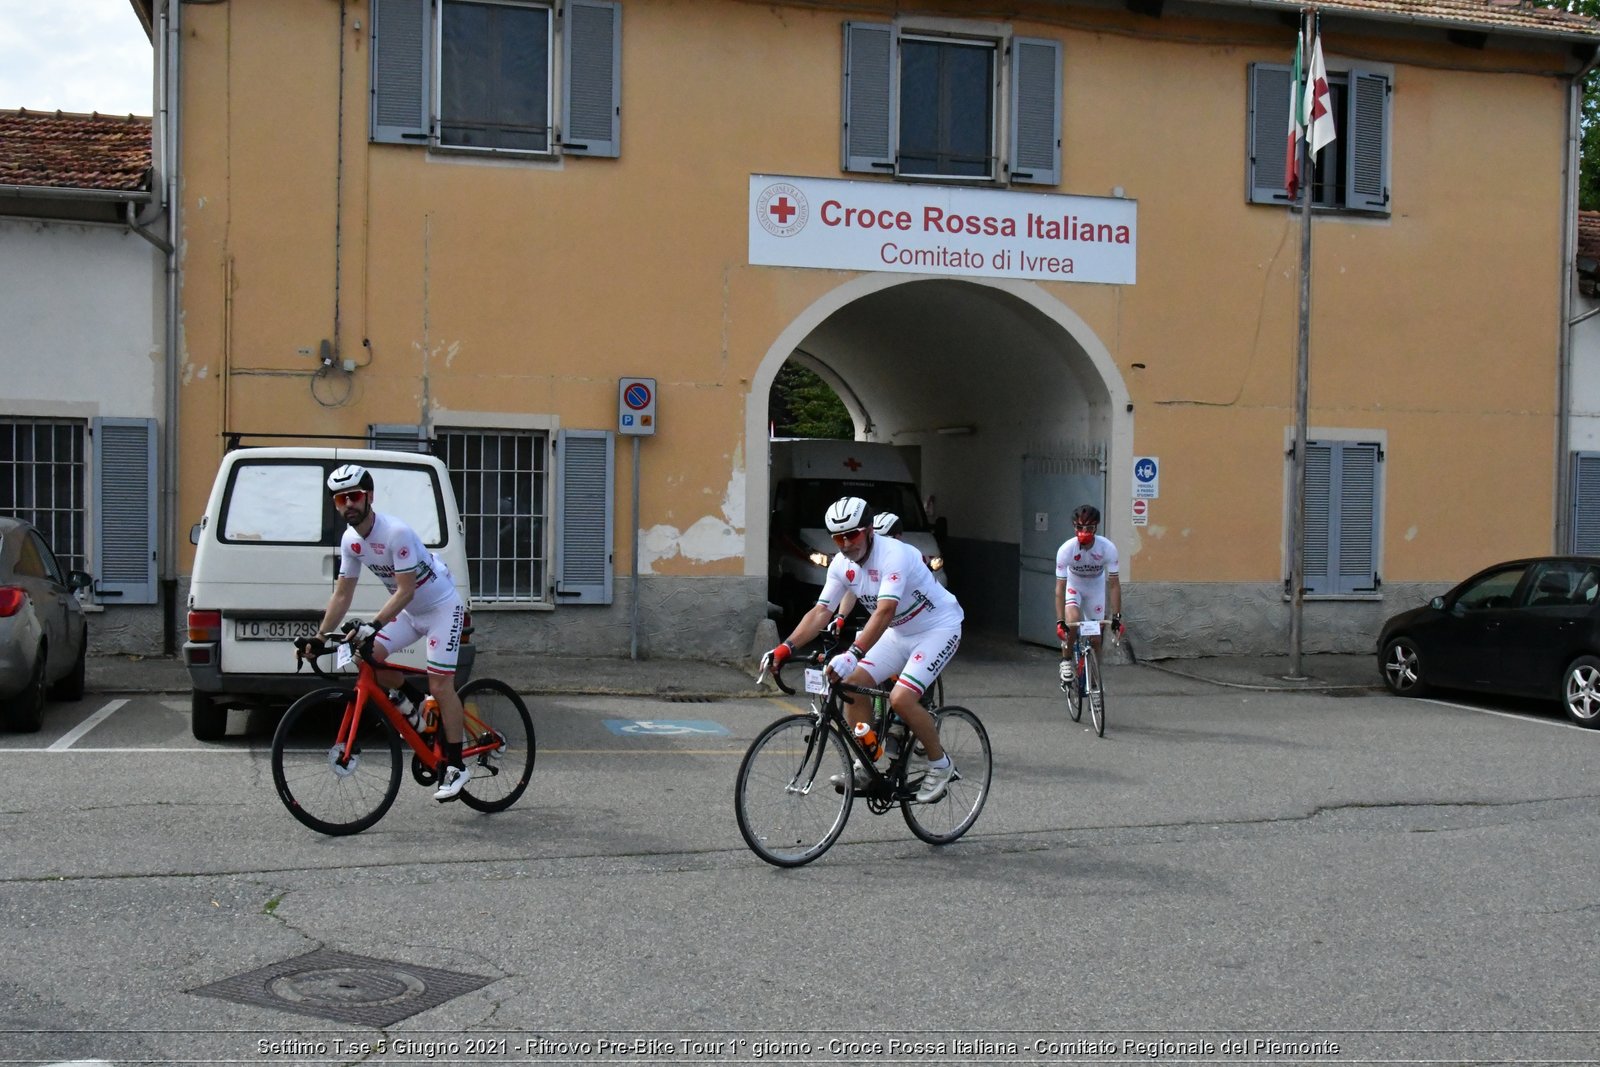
x,y
636,406
1146,478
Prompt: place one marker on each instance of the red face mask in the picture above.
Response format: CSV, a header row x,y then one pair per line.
x,y
1085,533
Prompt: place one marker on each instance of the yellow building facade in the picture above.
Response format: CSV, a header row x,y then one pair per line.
x,y
474,218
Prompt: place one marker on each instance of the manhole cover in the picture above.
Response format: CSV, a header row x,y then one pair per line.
x,y
345,987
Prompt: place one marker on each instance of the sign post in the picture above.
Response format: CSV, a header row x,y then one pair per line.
x,y
636,418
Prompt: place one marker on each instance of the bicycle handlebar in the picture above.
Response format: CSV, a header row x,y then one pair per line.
x,y
830,641
310,649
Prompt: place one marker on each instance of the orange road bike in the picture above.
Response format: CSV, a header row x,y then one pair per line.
x,y
346,787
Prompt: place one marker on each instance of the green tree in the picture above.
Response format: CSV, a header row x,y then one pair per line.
x,y
803,405
1589,123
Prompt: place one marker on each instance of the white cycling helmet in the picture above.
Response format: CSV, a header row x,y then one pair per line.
x,y
848,513
886,523
348,477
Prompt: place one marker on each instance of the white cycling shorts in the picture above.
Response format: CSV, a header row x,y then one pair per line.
x,y
1091,602
441,623
916,658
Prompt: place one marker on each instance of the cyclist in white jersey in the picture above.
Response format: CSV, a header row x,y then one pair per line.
x,y
422,601
1086,578
913,630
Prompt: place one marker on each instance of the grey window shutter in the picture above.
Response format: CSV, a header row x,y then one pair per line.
x,y
1036,111
125,510
402,32
1366,183
1320,517
397,437
584,463
591,98
1269,134
1358,518
869,135
1586,504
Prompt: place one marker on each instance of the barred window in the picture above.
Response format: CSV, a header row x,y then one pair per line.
x,y
500,481
42,480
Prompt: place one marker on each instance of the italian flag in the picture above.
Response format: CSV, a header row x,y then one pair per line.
x,y
1291,169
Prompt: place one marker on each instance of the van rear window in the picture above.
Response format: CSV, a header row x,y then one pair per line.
x,y
286,503
276,502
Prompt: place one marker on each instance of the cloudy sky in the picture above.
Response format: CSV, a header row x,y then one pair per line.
x,y
73,55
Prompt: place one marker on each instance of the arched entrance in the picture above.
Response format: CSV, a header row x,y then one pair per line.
x,y
1013,406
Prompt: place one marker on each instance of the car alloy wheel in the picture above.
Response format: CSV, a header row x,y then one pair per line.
x,y
1581,691
1402,668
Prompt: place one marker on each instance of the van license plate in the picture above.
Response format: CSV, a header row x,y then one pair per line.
x,y
272,629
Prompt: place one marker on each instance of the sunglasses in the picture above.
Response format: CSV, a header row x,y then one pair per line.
x,y
849,536
350,498
1084,525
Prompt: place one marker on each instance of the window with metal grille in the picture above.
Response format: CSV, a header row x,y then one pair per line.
x,y
42,480
500,481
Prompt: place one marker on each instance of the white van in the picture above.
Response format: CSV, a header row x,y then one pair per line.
x,y
267,557
808,474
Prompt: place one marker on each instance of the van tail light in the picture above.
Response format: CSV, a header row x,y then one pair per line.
x,y
12,598
205,625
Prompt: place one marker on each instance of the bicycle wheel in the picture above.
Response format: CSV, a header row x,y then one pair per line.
x,y
496,716
1074,691
967,743
789,813
1094,684
329,796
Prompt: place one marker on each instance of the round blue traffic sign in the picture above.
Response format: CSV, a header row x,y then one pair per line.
x,y
637,396
1145,470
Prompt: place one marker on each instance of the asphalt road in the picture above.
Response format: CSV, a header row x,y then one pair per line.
x,y
1315,877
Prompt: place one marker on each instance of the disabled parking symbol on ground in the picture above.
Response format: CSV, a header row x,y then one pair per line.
x,y
666,728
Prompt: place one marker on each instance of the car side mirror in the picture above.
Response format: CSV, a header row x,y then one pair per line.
x,y
1437,603
194,533
79,580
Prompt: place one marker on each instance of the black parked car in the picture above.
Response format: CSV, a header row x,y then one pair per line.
x,y
1530,627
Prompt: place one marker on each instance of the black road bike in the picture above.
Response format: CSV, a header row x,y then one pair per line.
x,y
795,786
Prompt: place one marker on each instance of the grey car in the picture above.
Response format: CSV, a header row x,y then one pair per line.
x,y
44,636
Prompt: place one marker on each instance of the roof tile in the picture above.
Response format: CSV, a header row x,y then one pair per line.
x,y
70,151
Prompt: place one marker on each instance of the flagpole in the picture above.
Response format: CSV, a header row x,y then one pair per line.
x,y
1302,377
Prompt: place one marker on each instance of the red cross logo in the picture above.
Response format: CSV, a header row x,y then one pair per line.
x,y
783,209
853,463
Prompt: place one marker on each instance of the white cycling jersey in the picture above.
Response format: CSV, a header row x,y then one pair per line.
x,y
893,570
393,547
1084,569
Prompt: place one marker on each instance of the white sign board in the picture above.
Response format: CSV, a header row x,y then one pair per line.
x,y
636,406
1146,478
941,229
1141,512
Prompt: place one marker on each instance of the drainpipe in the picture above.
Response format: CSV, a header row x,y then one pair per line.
x,y
1569,267
167,173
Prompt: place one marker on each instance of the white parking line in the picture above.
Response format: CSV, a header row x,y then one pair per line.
x,y
85,726
1511,715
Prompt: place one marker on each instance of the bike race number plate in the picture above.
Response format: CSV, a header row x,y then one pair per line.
x,y
272,629
816,681
342,657
1091,627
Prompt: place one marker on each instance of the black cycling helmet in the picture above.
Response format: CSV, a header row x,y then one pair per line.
x,y
1087,514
